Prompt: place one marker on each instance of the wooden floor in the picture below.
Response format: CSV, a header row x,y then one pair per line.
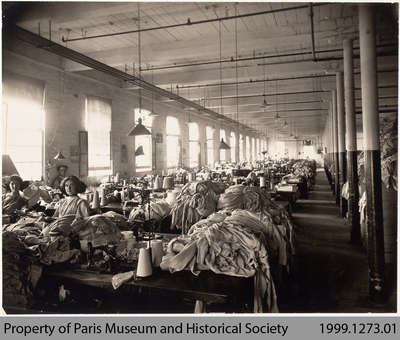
x,y
331,274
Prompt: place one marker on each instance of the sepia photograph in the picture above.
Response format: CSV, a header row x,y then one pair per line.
x,y
199,157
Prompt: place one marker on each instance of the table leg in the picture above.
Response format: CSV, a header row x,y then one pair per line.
x,y
200,307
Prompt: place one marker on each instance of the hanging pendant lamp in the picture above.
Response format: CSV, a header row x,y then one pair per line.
x,y
139,151
264,104
139,129
223,145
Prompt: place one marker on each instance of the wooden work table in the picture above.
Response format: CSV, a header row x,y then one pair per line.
x,y
205,289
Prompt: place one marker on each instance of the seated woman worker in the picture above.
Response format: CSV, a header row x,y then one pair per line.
x,y
72,204
13,200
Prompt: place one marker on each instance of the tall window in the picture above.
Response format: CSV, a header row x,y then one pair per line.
x,y
23,124
233,147
258,146
210,145
194,145
98,126
222,153
144,162
248,147
173,132
241,148
279,149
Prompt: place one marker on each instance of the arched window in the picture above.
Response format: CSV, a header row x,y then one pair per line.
x,y
233,147
241,148
248,148
194,145
210,145
144,162
222,153
173,133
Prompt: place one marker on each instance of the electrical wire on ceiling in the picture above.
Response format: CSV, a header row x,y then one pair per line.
x,y
236,69
139,57
220,65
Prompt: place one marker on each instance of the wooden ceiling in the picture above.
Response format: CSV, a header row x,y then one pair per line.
x,y
185,58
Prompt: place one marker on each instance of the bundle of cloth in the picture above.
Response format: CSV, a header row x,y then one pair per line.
x,y
275,219
159,209
388,141
20,272
233,244
345,191
197,200
53,242
99,230
388,148
303,168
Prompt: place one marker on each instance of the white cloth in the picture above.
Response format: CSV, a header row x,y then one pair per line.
x,y
72,205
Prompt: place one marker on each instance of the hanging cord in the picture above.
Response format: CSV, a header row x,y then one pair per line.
x,y
265,100
152,92
220,66
140,58
236,69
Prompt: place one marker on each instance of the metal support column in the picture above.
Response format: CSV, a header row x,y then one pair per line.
x,y
370,117
351,143
336,146
341,141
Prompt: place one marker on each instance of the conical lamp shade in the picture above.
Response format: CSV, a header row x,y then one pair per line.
x,y
139,151
223,145
139,129
59,156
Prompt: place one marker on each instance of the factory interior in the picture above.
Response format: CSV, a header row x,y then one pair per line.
x,y
199,157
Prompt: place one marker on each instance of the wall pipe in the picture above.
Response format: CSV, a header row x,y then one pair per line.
x,y
312,32
231,60
394,86
251,81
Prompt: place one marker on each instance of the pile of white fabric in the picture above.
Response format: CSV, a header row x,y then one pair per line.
x,y
99,230
231,244
275,220
388,141
197,200
158,211
20,272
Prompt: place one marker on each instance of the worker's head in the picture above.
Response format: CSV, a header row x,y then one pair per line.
x,y
71,186
62,169
15,183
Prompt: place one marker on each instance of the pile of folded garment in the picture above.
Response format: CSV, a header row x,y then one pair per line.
x,y
99,230
157,211
197,200
388,141
274,218
20,272
227,243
